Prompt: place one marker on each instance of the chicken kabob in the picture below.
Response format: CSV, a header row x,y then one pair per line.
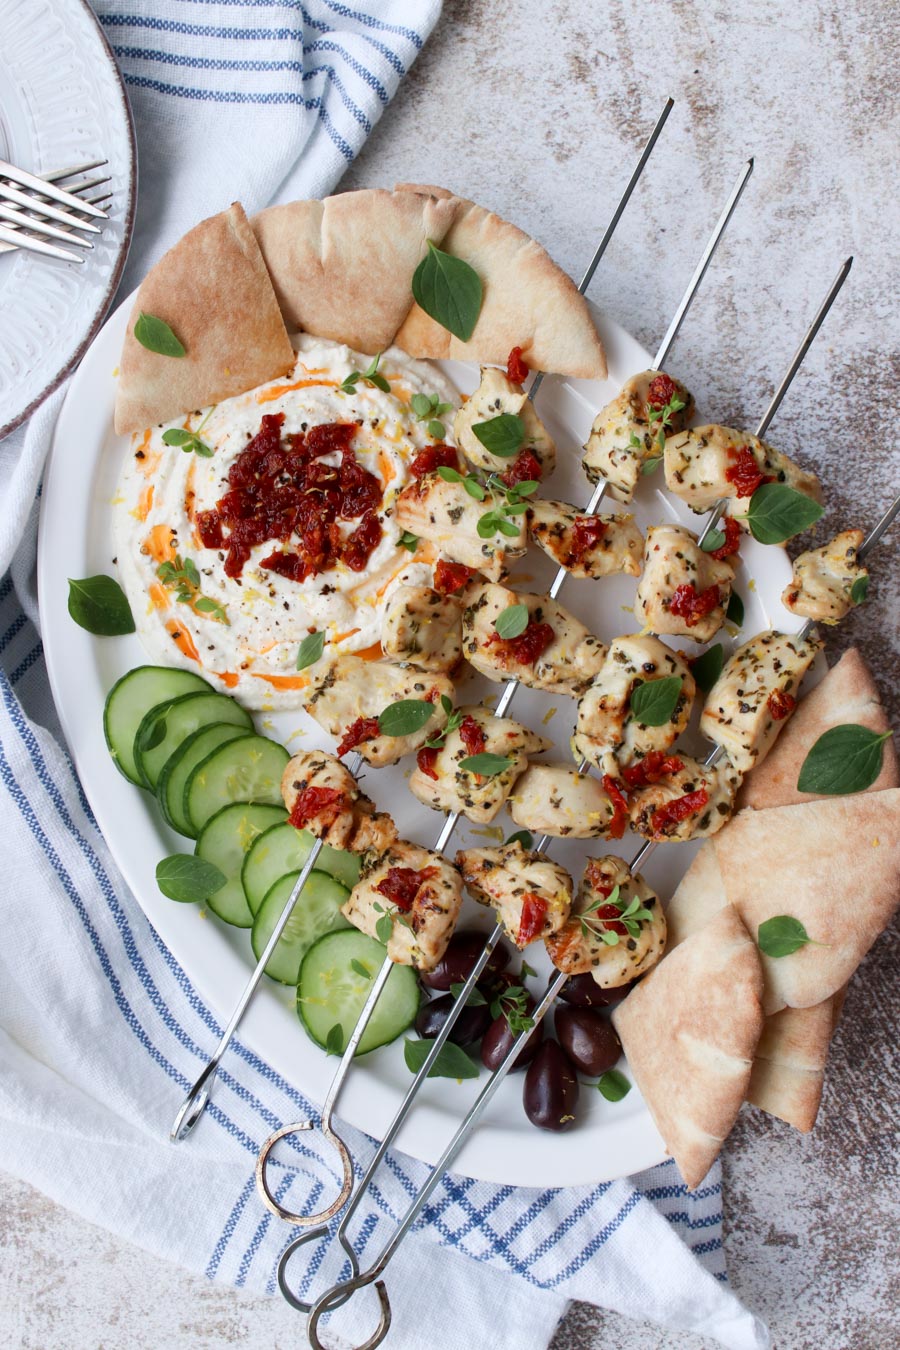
x,y
604,878
197,1099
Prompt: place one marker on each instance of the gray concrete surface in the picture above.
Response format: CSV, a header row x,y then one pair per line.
x,y
538,110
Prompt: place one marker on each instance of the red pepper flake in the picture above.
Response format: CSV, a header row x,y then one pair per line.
x,y
679,809
619,818
434,457
732,531
426,760
402,885
651,769
323,805
527,647
516,369
472,735
662,390
745,473
780,704
534,911
586,535
363,729
450,577
691,605
525,468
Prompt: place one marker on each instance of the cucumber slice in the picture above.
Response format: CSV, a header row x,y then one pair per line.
x,y
317,912
165,727
133,696
331,992
224,841
285,849
179,767
248,769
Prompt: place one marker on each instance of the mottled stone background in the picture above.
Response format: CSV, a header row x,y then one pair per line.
x,y
538,110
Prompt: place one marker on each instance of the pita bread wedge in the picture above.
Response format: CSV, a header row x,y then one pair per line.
x,y
529,302
342,268
214,292
698,898
690,1030
789,1069
834,864
848,693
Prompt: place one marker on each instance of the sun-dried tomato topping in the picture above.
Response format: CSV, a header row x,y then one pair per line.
x,y
525,468
434,457
619,819
516,369
209,528
322,805
780,704
472,735
745,473
363,729
290,565
358,546
527,647
426,760
610,917
679,809
534,911
450,577
651,769
732,532
402,885
661,391
586,535
597,879
691,605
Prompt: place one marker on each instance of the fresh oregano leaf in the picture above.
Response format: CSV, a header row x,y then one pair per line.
x,y
778,512
512,622
845,759
476,998
157,336
708,667
714,539
860,589
98,604
405,717
188,440
153,735
184,877
502,436
486,764
613,1085
449,475
449,291
782,936
310,650
421,405
384,929
436,430
527,971
334,1041
474,488
735,611
651,465
523,837
653,701
452,1062
360,969
409,541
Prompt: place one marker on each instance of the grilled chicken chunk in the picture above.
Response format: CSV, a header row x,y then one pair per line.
x,y
691,803
348,693
530,894
824,578
683,591
755,694
555,652
626,433
708,463
556,799
596,940
446,515
493,397
439,782
607,734
419,890
422,626
322,796
586,546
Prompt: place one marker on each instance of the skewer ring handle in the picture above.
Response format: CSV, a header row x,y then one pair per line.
x,y
287,1292
262,1184
194,1104
335,1297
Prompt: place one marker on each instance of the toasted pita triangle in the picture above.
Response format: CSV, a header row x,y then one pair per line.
x,y
848,693
699,897
342,268
789,1069
690,1030
834,864
529,302
214,292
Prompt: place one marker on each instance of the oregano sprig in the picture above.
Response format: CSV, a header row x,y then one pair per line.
x,y
369,376
429,408
180,575
631,914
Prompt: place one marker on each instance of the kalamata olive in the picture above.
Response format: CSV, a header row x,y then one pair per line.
x,y
498,1041
584,992
550,1094
469,1027
463,950
588,1038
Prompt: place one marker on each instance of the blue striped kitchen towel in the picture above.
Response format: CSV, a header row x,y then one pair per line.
x,y
101,1032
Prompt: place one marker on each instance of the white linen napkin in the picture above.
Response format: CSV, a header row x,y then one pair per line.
x,y
101,1032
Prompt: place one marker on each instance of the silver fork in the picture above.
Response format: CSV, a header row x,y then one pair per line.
x,y
27,218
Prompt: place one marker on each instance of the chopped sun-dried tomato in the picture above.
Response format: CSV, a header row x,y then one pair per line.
x,y
516,369
534,911
472,735
525,468
528,646
586,535
596,878
679,809
661,391
358,546
450,577
209,528
402,885
434,457
732,532
745,473
619,818
691,605
322,805
780,704
610,917
426,760
653,767
363,729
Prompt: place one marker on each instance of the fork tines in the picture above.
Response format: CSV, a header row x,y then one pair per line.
x,y
31,183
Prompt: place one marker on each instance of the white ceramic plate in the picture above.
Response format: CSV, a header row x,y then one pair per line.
x,y
62,103
75,541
